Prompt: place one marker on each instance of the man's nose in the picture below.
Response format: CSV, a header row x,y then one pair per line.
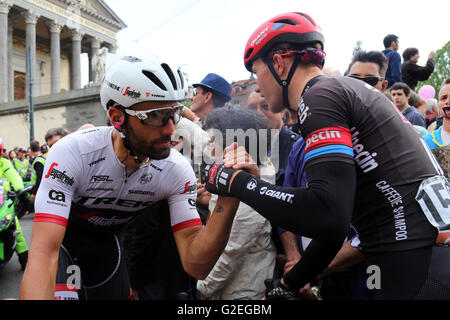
x,y
169,128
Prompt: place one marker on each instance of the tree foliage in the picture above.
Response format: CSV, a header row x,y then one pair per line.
x,y
441,70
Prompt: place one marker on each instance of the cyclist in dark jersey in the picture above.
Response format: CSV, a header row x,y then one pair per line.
x,y
365,165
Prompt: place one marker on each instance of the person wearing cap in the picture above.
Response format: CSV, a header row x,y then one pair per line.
x,y
212,92
20,163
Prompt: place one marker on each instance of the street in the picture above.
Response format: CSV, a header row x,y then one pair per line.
x,y
11,274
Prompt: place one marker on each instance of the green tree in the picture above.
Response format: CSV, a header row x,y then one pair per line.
x,y
441,70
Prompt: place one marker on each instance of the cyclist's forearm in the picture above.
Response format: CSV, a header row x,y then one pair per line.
x,y
207,245
38,282
347,256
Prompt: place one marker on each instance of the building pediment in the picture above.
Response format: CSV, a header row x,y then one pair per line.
x,y
96,9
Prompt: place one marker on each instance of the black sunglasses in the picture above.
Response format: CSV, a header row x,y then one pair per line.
x,y
372,80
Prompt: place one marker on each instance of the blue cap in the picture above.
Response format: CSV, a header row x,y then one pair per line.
x,y
217,84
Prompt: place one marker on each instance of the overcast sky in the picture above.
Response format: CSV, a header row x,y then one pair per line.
x,y
210,35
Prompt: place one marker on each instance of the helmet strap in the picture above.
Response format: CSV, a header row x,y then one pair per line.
x,y
121,127
284,83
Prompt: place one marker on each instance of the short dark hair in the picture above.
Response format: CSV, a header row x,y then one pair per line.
x,y
217,99
445,82
401,86
239,118
55,132
409,52
34,146
376,57
387,41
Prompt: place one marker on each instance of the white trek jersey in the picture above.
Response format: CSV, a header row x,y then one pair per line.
x,y
84,177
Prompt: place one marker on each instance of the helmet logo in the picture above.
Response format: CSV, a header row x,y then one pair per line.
x,y
124,91
260,36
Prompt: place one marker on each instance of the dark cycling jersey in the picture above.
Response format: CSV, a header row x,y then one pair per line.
x,y
344,119
365,165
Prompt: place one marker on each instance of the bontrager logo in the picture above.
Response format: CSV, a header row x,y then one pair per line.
x,y
58,175
96,161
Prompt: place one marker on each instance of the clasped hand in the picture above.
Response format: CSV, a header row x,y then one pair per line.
x,y
219,177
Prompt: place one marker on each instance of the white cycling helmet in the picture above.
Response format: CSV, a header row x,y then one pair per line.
x,y
130,80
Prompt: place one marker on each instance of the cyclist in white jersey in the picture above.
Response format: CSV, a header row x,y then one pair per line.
x,y
97,180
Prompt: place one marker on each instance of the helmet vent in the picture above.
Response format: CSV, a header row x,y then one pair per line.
x,y
306,17
181,78
154,79
249,52
286,21
170,75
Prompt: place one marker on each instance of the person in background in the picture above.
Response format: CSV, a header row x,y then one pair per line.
x,y
20,163
400,93
37,168
441,136
212,92
394,70
413,73
12,155
11,179
55,134
249,256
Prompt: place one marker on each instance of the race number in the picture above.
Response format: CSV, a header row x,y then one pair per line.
x,y
434,198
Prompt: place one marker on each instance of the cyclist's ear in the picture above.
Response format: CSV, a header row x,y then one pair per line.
x,y
116,117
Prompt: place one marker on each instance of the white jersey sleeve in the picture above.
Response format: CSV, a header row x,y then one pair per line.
x,y
182,196
59,180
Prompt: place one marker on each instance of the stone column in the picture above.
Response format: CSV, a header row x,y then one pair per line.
x,y
10,62
5,5
55,53
31,19
76,58
112,47
95,46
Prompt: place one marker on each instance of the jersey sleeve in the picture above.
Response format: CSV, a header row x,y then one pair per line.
x,y
323,117
182,197
59,179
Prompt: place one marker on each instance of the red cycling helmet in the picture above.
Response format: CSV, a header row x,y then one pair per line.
x,y
293,27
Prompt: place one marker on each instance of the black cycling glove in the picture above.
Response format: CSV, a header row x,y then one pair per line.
x,y
217,178
275,290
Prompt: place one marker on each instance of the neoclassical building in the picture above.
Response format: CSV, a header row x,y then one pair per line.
x,y
52,34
